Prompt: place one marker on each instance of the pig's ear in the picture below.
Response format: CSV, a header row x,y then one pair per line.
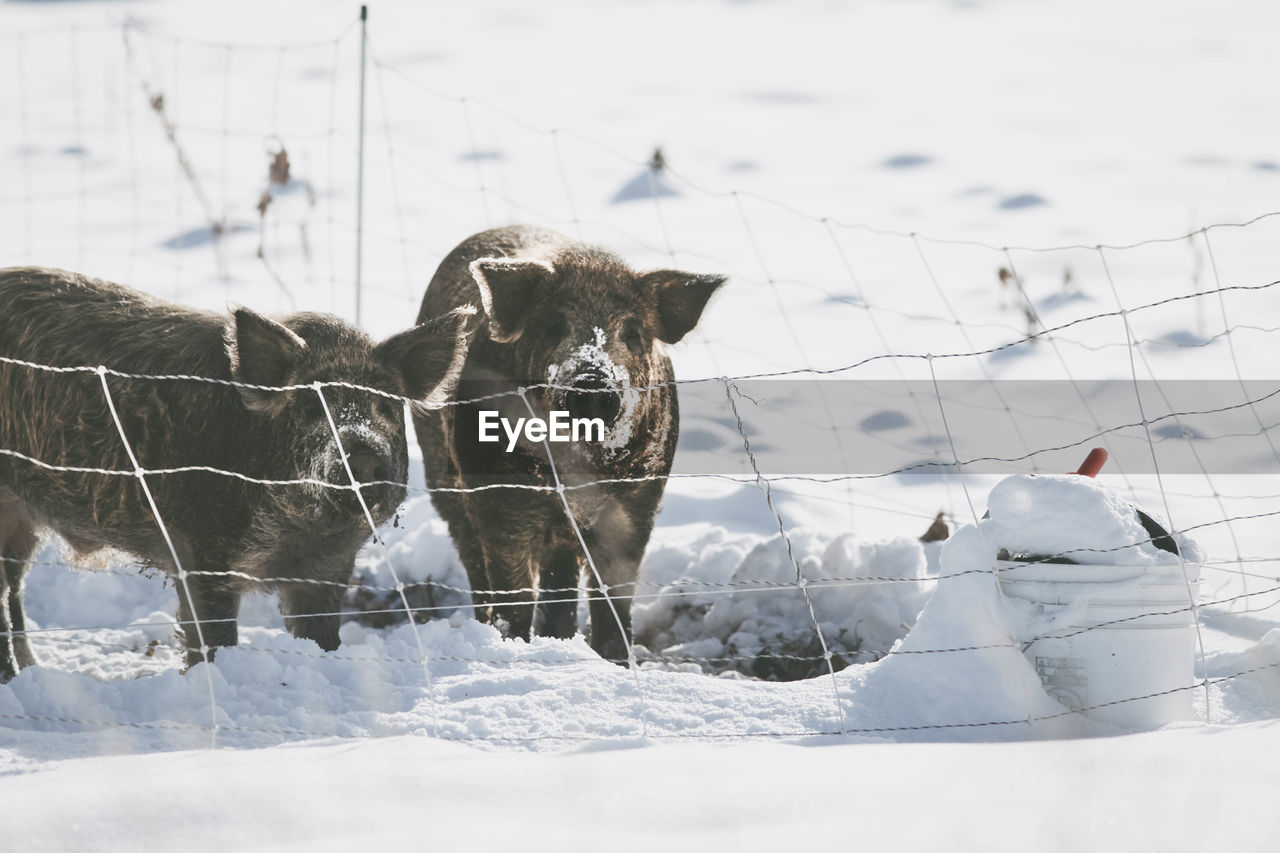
x,y
681,298
429,357
508,287
262,352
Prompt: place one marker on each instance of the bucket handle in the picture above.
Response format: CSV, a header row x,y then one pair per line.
x,y
1159,536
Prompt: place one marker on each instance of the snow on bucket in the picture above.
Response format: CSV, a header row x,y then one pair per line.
x,y
1112,635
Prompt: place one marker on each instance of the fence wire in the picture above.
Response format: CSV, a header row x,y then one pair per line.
x,y
152,70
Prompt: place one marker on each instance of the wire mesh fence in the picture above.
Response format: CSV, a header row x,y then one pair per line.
x,y
198,172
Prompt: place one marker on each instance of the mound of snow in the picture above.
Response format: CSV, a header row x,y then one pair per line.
x,y
1076,517
962,665
707,601
739,610
417,550
108,588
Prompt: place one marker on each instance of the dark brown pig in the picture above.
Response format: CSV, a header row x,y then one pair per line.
x,y
229,533
575,317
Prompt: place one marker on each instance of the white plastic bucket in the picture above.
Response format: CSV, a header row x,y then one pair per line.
x,y
1115,634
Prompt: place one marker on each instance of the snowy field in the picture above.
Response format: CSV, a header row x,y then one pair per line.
x,y
863,173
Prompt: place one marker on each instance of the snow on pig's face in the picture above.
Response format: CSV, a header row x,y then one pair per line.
x,y
592,329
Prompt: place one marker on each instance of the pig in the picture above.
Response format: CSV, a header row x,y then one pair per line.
x,y
229,534
584,334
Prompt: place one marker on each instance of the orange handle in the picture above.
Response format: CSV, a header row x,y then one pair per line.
x,y
1093,462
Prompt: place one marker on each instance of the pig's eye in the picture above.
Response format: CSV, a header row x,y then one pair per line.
x,y
309,406
386,408
633,338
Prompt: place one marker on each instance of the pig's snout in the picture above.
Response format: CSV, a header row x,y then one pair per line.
x,y
376,473
367,463
592,395
367,466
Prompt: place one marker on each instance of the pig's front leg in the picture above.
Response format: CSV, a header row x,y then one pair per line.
x,y
611,623
558,592
216,605
512,603
311,612
511,529
619,565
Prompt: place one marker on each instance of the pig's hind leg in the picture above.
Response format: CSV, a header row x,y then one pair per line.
x,y
17,544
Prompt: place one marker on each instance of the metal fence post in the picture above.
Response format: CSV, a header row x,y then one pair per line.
x,y
364,42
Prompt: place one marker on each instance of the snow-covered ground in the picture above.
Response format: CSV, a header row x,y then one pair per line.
x,y
862,172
